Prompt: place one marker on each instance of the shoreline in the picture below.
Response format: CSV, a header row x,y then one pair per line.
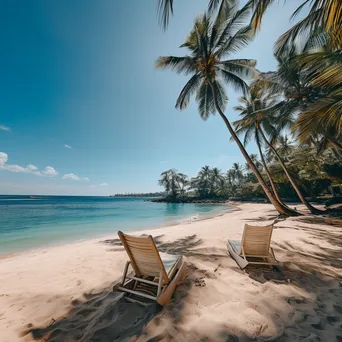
x,y
106,236
67,290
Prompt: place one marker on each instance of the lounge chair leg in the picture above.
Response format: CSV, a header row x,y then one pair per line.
x,y
125,273
273,255
160,283
135,284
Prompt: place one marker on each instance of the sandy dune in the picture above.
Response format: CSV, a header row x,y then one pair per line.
x,y
64,293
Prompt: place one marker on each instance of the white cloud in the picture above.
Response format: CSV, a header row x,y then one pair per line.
x,y
49,171
15,168
72,176
104,184
5,128
30,168
67,146
92,186
3,158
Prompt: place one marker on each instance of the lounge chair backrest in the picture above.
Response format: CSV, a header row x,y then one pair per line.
x,y
256,240
144,255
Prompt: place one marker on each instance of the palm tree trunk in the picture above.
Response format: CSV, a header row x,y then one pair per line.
x,y
312,209
335,144
278,206
268,172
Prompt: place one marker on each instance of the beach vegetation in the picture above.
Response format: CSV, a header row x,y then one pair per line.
x,y
211,44
297,107
317,176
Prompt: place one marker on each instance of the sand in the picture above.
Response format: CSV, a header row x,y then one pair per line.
x,y
63,293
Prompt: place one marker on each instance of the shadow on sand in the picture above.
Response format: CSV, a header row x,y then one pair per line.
x,y
317,317
108,316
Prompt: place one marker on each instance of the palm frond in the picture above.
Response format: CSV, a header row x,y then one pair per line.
x,y
221,95
235,43
164,10
259,8
240,67
299,9
240,109
331,13
233,80
322,115
223,17
233,20
205,100
190,87
285,41
184,65
200,28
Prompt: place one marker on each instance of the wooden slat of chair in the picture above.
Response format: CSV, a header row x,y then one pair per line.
x,y
149,270
256,240
144,255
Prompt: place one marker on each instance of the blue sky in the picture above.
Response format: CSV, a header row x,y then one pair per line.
x,y
82,109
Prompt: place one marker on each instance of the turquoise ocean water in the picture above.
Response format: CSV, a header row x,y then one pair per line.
x,y
50,220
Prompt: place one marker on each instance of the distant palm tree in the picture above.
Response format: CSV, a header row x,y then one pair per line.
x,y
203,181
284,146
233,185
251,124
256,162
183,182
237,172
209,42
217,180
173,182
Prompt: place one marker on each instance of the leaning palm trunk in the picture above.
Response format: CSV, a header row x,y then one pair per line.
x,y
268,172
278,206
335,144
312,209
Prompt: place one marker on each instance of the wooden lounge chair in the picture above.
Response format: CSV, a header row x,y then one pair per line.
x,y
156,274
254,248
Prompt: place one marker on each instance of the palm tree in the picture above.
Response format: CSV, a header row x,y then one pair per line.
x,y
251,124
237,172
231,181
217,180
261,118
203,181
284,146
209,42
315,67
297,93
255,161
183,182
173,182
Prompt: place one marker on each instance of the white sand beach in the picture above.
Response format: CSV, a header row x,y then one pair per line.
x,y
64,292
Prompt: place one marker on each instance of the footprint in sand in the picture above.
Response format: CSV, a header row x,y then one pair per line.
x,y
200,282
